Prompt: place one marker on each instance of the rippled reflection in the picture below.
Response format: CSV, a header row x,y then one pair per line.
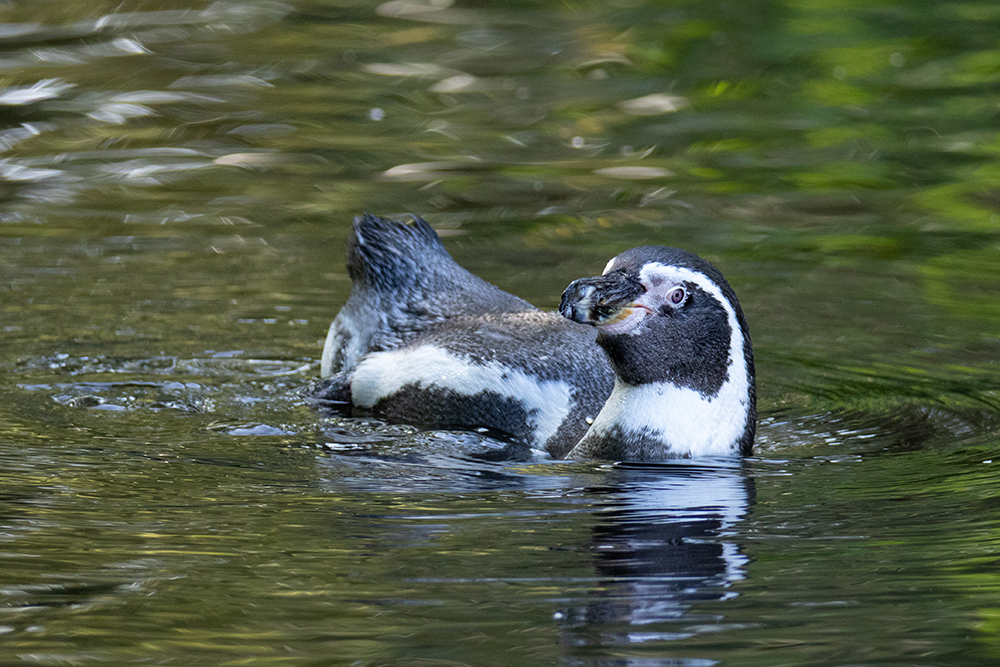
x,y
662,541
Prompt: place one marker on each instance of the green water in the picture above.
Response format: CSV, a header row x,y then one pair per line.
x,y
177,181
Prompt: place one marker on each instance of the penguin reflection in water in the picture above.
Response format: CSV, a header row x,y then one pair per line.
x,y
649,361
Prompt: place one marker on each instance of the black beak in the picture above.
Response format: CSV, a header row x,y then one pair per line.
x,y
600,299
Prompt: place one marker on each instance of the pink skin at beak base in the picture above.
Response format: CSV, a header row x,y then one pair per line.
x,y
627,319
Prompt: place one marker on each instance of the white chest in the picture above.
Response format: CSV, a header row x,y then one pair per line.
x,y
685,421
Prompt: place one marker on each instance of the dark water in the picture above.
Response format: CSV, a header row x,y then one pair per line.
x,y
177,181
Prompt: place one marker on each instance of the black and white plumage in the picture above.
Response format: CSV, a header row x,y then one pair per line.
x,y
423,341
677,339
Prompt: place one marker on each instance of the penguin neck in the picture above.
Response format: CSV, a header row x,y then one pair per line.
x,y
701,362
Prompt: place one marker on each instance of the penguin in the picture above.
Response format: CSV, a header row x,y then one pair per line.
x,y
679,344
649,361
423,341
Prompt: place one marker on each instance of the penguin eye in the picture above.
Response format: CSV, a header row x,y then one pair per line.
x,y
676,296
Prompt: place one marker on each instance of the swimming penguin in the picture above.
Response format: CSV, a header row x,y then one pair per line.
x,y
650,361
422,341
680,347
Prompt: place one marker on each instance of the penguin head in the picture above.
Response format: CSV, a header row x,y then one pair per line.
x,y
664,314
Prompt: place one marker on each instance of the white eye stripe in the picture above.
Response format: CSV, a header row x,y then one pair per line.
x,y
654,271
607,267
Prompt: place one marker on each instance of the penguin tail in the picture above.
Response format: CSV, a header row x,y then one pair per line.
x,y
388,254
404,283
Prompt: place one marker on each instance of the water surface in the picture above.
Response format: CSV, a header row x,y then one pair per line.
x,y
177,182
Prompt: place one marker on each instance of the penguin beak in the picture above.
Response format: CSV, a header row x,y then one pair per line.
x,y
604,302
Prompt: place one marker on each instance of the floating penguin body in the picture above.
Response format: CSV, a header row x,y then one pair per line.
x,y
652,360
423,341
